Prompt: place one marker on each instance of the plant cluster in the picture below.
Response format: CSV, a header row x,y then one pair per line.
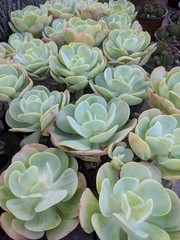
x,y
169,34
93,53
175,17
151,10
165,55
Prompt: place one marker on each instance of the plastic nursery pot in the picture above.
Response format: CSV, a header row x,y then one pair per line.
x,y
149,66
151,24
174,17
168,38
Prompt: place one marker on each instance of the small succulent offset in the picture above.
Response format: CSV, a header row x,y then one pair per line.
x,y
14,82
155,134
30,19
55,32
130,207
87,31
36,110
34,57
14,41
75,64
87,128
40,192
128,46
120,155
127,82
166,87
121,21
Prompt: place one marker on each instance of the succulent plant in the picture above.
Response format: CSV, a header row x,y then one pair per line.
x,y
14,41
128,46
165,93
87,31
165,55
34,57
120,155
75,64
174,17
128,83
151,10
155,134
39,193
130,207
122,6
88,127
61,8
91,9
36,110
120,21
30,19
14,82
55,32
169,34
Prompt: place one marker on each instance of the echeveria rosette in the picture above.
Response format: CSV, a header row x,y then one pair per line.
x,y
128,46
122,6
86,31
75,64
157,137
55,32
127,82
165,93
129,207
30,19
34,57
15,39
87,128
39,193
61,9
14,82
36,110
91,9
121,21
120,155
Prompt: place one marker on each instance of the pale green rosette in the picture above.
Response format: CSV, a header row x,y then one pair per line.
x,y
134,207
165,93
127,82
87,128
39,193
30,19
75,64
128,46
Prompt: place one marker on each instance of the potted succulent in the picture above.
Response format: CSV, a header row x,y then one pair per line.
x,y
169,34
174,17
165,55
78,159
150,16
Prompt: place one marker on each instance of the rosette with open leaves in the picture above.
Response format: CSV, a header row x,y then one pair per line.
x,y
134,207
39,193
128,46
87,128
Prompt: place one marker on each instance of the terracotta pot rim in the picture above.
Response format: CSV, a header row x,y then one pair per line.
x,y
156,18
